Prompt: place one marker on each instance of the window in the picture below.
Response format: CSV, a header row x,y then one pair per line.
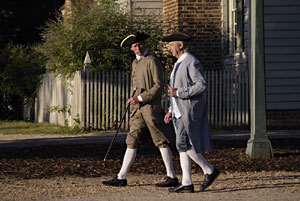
x,y
233,26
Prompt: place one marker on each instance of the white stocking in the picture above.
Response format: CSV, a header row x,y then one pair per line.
x,y
185,163
200,160
129,157
166,155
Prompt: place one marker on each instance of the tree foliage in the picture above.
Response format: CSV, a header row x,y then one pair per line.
x,y
21,70
21,66
21,20
98,29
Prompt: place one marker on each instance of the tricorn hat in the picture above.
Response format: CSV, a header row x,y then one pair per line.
x,y
177,36
129,40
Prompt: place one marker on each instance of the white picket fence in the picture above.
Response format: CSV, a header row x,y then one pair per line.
x,y
98,99
228,97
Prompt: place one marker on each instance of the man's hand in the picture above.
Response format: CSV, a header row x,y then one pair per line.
x,y
168,117
172,91
132,101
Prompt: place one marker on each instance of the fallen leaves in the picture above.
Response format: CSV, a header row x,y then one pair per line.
x,y
87,160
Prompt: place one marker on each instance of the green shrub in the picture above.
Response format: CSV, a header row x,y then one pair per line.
x,y
21,71
98,29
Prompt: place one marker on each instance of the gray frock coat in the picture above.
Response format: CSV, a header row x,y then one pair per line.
x,y
191,101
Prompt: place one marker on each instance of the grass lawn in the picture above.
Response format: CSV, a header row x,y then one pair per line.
x,y
23,127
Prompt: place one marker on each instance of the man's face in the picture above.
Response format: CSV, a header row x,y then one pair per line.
x,y
138,48
175,48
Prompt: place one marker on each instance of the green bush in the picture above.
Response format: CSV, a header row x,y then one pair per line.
x,y
98,29
21,71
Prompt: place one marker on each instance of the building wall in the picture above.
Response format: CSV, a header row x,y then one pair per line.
x,y
282,63
282,59
202,20
282,54
283,119
141,7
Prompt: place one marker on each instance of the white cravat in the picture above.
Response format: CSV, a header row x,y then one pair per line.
x,y
139,58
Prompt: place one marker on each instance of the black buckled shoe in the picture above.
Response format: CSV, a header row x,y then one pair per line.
x,y
115,182
209,179
182,189
168,182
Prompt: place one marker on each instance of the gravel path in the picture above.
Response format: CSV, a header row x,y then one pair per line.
x,y
248,186
252,186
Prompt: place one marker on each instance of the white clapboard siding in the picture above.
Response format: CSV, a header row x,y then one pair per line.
x,y
147,4
142,7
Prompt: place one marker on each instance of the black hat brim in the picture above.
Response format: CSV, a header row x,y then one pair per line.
x,y
177,36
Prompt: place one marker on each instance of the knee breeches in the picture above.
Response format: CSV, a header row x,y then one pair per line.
x,y
140,121
182,139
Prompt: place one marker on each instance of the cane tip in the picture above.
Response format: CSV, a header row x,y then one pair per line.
x,y
104,163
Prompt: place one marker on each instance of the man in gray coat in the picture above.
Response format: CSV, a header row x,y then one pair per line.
x,y
188,113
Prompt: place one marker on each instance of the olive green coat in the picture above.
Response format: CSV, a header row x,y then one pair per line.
x,y
147,78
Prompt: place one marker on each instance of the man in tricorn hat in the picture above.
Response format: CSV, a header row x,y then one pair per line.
x,y
187,112
146,110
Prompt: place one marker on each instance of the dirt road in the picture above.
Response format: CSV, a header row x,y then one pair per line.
x,y
231,186
252,186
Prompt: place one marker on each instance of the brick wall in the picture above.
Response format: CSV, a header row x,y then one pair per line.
x,y
202,20
283,119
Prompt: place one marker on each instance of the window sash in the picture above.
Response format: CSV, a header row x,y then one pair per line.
x,y
233,24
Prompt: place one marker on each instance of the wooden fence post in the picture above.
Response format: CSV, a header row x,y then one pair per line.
x,y
84,91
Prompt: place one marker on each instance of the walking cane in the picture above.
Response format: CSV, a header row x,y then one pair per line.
x,y
127,108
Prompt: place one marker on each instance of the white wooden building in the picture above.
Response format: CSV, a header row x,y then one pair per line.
x,y
141,7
